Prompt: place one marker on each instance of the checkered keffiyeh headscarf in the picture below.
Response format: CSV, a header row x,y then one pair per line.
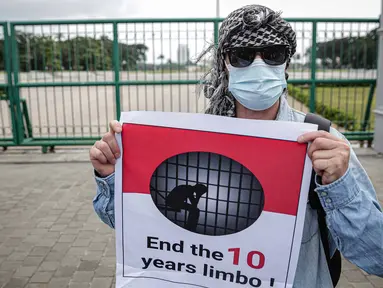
x,y
249,26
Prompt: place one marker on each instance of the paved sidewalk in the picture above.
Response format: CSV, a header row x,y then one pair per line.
x,y
51,237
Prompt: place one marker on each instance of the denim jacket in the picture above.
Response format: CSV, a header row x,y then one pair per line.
x,y
353,215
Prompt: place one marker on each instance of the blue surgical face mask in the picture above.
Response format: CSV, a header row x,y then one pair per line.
x,y
258,86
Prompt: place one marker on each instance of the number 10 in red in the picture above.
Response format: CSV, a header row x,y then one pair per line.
x,y
250,258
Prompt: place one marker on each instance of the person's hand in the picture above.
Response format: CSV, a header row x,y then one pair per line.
x,y
329,155
104,152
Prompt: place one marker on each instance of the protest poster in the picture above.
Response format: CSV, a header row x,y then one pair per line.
x,y
209,201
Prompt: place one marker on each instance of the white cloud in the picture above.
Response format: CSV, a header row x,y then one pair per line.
x,y
63,9
75,9
125,9
320,9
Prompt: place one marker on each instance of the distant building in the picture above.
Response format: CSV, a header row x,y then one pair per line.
x,y
183,54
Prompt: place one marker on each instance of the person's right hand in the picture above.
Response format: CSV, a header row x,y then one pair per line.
x,y
104,152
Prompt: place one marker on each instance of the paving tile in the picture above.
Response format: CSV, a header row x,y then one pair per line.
x,y
10,266
377,282
65,271
41,277
25,271
39,251
55,240
83,276
60,282
16,283
67,238
88,266
49,266
101,282
33,260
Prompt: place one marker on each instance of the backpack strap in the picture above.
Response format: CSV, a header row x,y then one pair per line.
x,y
335,262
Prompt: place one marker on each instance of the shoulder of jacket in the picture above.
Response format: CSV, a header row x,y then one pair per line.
x,y
297,116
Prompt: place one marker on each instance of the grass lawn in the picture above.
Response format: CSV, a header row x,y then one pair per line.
x,y
351,100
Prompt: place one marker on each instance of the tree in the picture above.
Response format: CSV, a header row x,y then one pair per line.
x,y
351,52
2,56
37,52
133,54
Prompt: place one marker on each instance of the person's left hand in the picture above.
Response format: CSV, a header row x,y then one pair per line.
x,y
329,155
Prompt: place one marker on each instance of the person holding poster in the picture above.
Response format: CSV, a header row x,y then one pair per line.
x,y
248,80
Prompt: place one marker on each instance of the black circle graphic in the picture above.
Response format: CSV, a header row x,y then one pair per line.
x,y
207,193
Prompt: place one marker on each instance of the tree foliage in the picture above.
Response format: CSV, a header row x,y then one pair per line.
x,y
349,52
38,52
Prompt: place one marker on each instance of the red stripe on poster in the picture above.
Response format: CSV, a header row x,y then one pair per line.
x,y
277,164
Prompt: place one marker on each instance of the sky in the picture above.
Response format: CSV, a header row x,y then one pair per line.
x,y
167,45
87,9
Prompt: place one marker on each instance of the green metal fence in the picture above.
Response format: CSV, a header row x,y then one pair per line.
x,y
65,80
7,114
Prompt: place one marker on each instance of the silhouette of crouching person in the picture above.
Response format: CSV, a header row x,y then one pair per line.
x,y
178,199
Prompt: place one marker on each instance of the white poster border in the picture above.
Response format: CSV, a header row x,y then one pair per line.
x,y
279,130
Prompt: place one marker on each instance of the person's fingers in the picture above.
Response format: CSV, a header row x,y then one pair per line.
x,y
97,155
322,144
110,139
105,149
328,178
324,154
115,126
311,136
318,172
321,164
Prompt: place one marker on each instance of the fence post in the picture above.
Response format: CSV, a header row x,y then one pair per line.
x,y
378,134
216,31
313,68
8,69
15,88
367,113
116,64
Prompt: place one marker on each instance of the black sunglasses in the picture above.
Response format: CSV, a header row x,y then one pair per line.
x,y
272,55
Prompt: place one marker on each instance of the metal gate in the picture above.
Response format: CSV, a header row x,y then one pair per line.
x,y
8,121
65,80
